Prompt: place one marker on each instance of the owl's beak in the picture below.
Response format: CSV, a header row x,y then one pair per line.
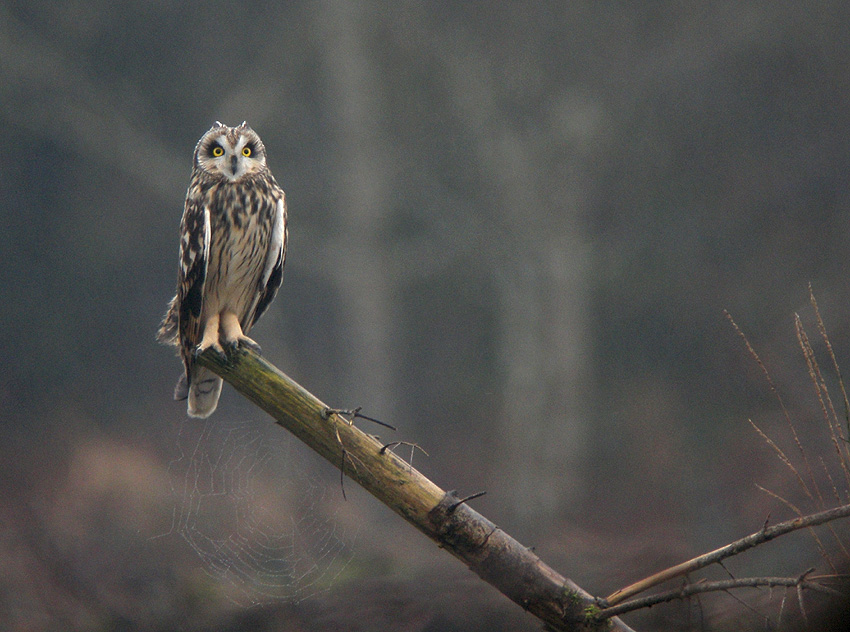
x,y
234,160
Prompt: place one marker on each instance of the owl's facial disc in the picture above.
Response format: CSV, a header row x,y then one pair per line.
x,y
233,156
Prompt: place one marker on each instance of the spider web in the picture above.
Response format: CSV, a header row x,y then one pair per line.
x,y
263,527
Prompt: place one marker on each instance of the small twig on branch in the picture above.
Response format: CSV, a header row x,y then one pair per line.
x,y
413,448
354,413
763,535
466,500
815,536
393,444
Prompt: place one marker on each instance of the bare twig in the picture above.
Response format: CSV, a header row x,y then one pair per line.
x,y
801,604
845,460
797,511
413,448
466,499
839,441
779,399
354,413
820,389
782,457
392,444
835,494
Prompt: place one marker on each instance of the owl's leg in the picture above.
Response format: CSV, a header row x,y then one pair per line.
x,y
233,335
210,338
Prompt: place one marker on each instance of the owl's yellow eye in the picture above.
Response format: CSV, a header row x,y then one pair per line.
x,y
246,151
218,151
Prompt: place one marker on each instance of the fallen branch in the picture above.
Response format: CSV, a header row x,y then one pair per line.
x,y
488,551
759,537
717,586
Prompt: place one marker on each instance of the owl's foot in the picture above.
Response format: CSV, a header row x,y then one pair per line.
x,y
217,349
210,339
245,343
234,338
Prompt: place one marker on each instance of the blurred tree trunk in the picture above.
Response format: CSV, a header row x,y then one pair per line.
x,y
531,244
363,280
540,263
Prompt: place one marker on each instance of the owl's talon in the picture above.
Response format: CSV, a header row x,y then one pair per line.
x,y
216,349
250,344
231,346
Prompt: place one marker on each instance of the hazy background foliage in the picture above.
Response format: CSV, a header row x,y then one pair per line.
x,y
514,228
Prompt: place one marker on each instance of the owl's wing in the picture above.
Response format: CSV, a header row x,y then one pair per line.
x,y
194,259
273,271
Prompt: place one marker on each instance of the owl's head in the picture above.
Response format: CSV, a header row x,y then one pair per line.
x,y
233,153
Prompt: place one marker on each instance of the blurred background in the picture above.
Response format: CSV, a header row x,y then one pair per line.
x,y
514,230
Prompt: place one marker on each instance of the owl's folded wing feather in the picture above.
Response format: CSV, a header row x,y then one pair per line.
x,y
273,271
194,259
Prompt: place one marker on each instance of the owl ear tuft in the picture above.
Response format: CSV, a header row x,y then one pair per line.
x,y
244,125
219,124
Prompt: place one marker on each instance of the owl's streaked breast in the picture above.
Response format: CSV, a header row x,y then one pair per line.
x,y
241,227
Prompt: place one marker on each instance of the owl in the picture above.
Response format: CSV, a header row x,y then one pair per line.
x,y
232,249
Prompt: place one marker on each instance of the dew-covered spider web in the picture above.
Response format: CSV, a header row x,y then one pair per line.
x,y
263,527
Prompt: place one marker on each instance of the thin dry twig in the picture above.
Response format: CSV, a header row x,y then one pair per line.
x,y
835,494
801,604
465,500
354,413
413,447
831,418
775,391
782,457
785,502
845,461
747,606
796,510
820,391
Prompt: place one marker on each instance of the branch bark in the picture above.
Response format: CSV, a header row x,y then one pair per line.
x,y
488,551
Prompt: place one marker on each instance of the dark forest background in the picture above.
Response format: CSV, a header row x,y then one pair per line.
x,y
514,230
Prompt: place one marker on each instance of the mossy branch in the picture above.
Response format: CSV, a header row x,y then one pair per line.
x,y
488,551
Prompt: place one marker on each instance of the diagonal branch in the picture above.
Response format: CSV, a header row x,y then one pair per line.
x,y
488,551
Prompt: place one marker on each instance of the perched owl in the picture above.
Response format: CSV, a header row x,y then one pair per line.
x,y
232,249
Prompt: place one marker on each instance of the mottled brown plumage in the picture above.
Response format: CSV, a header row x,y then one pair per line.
x,y
232,250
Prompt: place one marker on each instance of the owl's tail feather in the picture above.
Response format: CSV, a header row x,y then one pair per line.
x,y
181,391
168,328
203,391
